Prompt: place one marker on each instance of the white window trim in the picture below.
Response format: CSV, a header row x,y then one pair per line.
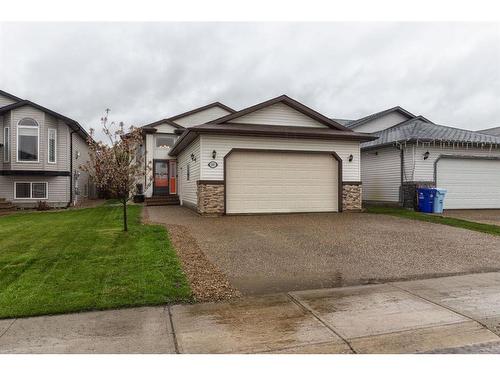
x,y
17,142
6,140
31,189
55,146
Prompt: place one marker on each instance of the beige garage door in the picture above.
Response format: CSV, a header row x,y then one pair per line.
x,y
267,182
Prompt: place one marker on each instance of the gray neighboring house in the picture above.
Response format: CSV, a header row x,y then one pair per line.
x,y
40,155
412,151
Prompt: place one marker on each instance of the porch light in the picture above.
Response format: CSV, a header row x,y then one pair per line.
x,y
214,154
351,158
193,158
426,155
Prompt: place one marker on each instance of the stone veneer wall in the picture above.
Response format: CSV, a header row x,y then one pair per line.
x,y
211,197
409,192
351,197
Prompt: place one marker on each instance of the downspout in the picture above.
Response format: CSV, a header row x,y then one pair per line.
x,y
145,166
71,167
402,194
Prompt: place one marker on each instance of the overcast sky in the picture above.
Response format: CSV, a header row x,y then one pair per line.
x,y
143,72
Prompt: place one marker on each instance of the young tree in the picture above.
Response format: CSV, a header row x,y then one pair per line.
x,y
117,165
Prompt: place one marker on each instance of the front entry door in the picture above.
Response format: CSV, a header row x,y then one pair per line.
x,y
160,172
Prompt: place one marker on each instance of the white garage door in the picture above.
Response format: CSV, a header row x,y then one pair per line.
x,y
471,183
266,182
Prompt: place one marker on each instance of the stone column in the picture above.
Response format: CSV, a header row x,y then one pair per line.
x,y
210,197
351,196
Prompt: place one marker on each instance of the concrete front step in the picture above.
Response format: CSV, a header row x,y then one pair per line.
x,y
162,200
163,203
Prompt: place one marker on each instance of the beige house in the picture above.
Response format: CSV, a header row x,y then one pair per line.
x,y
40,155
276,156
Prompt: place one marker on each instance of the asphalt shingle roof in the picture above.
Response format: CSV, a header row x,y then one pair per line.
x,y
491,131
419,129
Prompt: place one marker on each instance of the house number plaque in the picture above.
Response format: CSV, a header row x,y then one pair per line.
x,y
213,164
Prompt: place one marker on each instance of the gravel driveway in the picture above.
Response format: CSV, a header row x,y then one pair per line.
x,y
277,253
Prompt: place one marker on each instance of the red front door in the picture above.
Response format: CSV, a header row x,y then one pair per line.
x,y
160,183
173,176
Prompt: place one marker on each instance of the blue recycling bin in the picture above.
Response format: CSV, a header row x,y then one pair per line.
x,y
439,200
426,199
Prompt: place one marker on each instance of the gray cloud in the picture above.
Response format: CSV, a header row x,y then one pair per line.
x,y
450,73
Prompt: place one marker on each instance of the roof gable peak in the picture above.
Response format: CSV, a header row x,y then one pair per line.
x,y
292,103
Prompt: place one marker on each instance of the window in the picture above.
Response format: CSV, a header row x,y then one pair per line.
x,y
27,140
52,146
188,173
6,144
30,190
165,142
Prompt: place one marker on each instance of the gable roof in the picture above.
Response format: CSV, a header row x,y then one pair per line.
x,y
10,96
373,116
199,109
294,132
491,131
151,127
343,121
70,122
422,130
291,103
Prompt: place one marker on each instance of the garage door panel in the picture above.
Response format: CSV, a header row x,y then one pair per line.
x,y
471,183
261,182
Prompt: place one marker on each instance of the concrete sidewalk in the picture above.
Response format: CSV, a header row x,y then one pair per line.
x,y
459,314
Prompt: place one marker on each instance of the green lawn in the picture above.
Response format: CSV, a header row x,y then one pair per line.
x,y
459,223
74,260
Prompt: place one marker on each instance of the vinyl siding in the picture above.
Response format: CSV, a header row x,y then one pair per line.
x,y
58,190
223,144
381,175
5,101
202,117
82,183
278,114
381,123
424,169
188,190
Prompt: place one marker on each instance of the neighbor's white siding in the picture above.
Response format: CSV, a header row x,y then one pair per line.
x,y
188,190
381,123
5,101
278,114
202,117
381,174
424,169
222,144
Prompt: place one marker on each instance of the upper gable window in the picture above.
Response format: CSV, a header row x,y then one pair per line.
x,y
28,133
165,141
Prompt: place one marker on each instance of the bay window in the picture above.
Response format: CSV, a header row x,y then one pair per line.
x,y
27,140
